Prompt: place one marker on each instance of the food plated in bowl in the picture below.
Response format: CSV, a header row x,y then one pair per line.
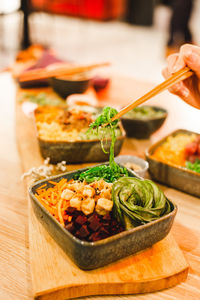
x,y
96,232
67,85
101,214
144,120
175,161
62,135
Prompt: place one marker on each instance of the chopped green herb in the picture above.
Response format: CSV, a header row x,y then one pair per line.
x,y
102,172
193,166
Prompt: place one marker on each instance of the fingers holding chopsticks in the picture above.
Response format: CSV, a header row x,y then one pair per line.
x,y
189,89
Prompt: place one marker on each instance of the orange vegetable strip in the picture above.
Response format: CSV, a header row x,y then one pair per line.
x,y
42,186
59,212
61,183
64,186
52,210
53,182
51,199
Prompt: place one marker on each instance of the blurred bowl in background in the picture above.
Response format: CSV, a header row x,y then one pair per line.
x,y
141,127
67,85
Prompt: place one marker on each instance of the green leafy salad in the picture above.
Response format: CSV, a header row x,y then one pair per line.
x,y
144,113
193,166
135,201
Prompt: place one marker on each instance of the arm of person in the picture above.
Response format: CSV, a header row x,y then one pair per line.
x,y
189,89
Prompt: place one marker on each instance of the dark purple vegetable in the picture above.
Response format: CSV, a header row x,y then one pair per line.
x,y
93,227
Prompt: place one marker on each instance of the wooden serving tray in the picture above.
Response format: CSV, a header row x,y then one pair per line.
x,y
54,276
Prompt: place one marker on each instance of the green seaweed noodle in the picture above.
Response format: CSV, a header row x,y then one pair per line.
x,y
137,201
112,171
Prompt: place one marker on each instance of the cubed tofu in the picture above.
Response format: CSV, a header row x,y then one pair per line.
x,y
67,194
88,191
76,202
103,206
87,206
77,186
106,193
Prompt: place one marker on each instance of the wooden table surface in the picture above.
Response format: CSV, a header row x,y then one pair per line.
x,y
15,281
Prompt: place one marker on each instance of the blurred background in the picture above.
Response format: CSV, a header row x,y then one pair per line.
x,y
135,35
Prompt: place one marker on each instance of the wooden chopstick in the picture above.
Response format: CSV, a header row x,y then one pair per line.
x,y
175,78
45,73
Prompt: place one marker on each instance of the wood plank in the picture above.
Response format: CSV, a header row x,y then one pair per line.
x,y
14,255
136,274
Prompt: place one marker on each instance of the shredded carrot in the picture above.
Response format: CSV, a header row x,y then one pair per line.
x,y
51,199
59,212
52,210
53,182
61,183
42,186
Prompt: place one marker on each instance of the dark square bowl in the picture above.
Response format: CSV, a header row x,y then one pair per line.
x,y
92,255
142,129
172,175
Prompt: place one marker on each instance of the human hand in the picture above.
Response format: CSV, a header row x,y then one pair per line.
x,y
189,89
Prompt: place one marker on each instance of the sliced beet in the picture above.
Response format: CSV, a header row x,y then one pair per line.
x,y
70,227
94,224
94,237
93,218
108,227
81,220
103,230
83,232
71,210
93,227
107,217
114,223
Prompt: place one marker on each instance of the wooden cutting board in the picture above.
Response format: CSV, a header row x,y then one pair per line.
x,y
55,276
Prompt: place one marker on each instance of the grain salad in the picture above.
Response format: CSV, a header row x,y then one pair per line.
x,y
61,124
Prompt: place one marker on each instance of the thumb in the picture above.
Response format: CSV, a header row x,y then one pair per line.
x,y
192,60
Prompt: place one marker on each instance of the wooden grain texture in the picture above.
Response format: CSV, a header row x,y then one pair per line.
x,y
159,267
15,280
